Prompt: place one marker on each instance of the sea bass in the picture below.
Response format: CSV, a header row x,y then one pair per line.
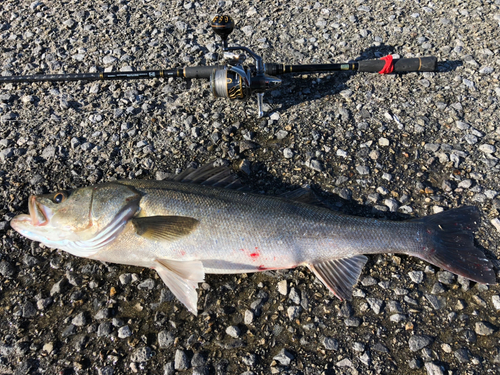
x,y
201,222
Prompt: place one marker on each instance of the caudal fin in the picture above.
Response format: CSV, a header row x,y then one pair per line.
x,y
449,244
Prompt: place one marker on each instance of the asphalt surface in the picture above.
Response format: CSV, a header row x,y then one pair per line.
x,y
389,146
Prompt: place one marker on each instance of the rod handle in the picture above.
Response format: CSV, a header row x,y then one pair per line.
x,y
417,64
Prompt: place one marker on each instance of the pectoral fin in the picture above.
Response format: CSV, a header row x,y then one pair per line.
x,y
182,279
164,228
340,275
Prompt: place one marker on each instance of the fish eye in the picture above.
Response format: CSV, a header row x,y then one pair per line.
x,y
59,197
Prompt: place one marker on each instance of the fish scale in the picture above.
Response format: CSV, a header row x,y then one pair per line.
x,y
202,222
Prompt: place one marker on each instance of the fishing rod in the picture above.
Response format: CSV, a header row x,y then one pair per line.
x,y
233,80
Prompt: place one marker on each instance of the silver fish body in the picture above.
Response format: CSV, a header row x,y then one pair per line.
x,y
187,227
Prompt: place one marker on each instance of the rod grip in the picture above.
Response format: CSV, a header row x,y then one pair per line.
x,y
199,71
417,64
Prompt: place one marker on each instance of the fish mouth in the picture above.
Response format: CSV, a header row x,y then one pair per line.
x,y
38,212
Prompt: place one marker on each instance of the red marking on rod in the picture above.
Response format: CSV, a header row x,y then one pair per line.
x,y
389,65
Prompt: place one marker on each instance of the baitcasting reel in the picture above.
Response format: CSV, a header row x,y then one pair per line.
x,y
234,81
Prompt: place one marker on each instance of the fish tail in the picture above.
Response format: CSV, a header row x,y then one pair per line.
x,y
449,244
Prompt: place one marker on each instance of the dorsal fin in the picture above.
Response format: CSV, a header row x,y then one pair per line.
x,y
210,175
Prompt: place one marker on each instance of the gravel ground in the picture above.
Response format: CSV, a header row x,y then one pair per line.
x,y
393,146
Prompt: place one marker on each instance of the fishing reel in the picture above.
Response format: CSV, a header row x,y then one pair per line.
x,y
235,81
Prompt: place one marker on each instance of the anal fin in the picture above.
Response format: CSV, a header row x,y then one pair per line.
x,y
340,275
182,279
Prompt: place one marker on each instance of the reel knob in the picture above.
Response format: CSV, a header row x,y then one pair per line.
x,y
222,26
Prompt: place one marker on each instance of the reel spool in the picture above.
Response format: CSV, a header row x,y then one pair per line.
x,y
230,83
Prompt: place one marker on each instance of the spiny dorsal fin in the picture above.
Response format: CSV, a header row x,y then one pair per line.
x,y
164,228
340,275
210,175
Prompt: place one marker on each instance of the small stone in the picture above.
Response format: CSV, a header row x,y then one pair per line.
x,y
169,369
487,149
28,310
233,331
330,343
417,342
341,153
496,301
365,358
147,284
288,153
283,287
383,142
416,276
249,315
446,277
396,318
181,361
104,329
165,339
294,296
58,287
392,204
496,223
368,281
352,322
363,170
484,328
108,60
124,332
143,354
284,357
293,312
6,269
344,363
375,304
462,355
79,320
125,278
436,302
433,369
48,347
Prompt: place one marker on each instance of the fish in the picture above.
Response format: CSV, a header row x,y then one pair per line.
x,y
204,221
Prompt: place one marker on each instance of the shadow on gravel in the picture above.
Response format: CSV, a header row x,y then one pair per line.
x,y
303,87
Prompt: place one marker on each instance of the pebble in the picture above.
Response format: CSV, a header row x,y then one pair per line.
x,y
181,361
496,223
288,153
363,170
484,328
6,269
249,316
284,357
283,287
487,149
496,301
418,342
383,142
416,276
375,304
124,332
433,369
436,302
79,320
293,312
233,331
330,343
165,339
143,354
